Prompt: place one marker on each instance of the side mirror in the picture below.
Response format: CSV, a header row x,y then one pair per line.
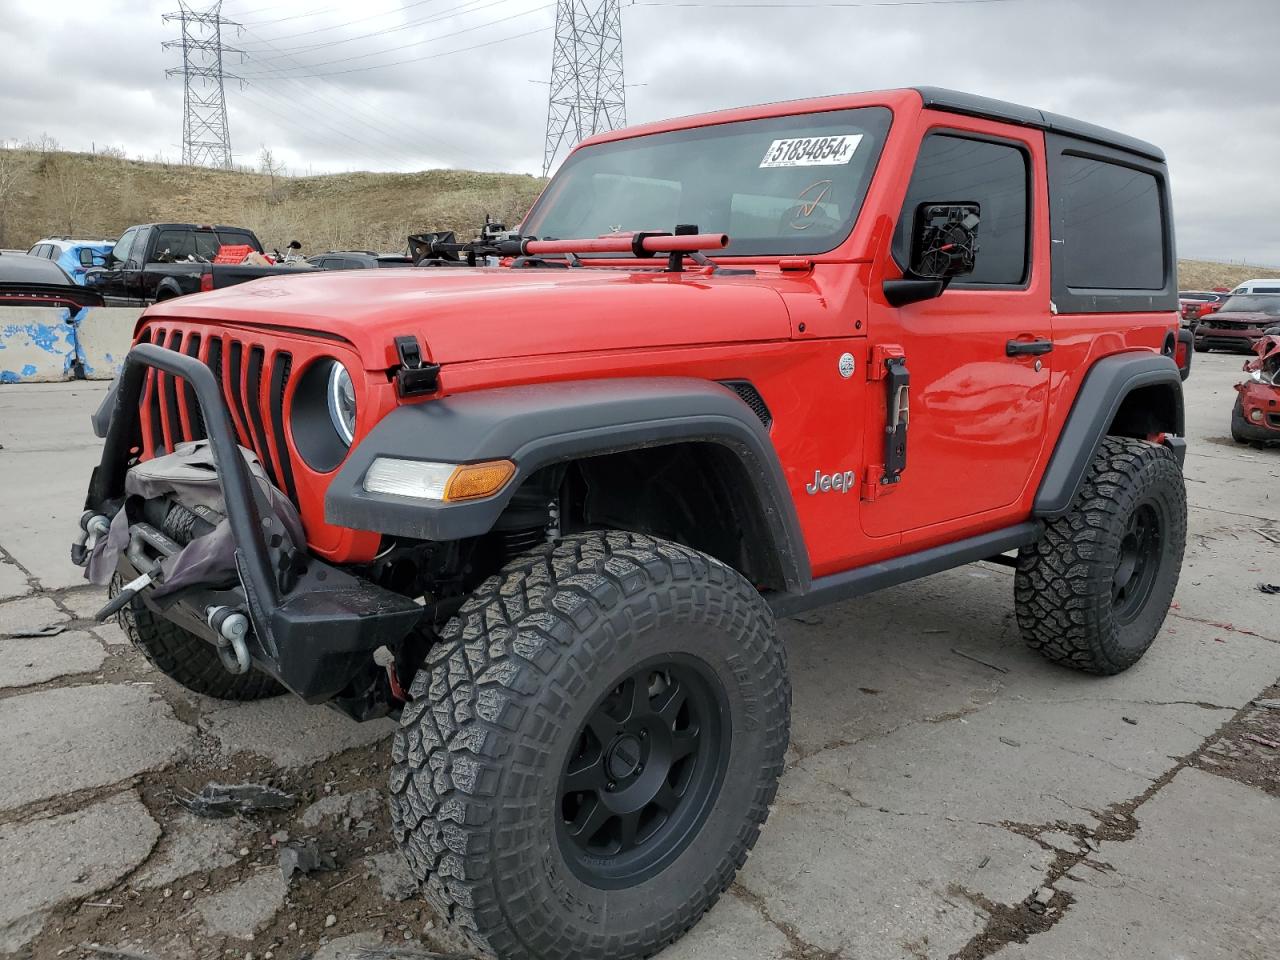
x,y
944,245
86,257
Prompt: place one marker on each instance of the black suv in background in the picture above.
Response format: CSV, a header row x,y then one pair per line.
x,y
358,260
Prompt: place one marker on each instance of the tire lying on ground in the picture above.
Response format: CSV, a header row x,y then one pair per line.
x,y
184,657
1093,592
591,749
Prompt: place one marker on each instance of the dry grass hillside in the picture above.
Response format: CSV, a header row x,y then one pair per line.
x,y
46,192
52,192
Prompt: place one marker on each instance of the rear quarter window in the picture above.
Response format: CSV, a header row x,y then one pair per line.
x,y
1111,248
1112,226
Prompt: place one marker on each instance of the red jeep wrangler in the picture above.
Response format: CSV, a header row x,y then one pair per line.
x,y
546,512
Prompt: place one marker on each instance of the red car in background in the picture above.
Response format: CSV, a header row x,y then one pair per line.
x,y
1256,415
1239,323
1194,304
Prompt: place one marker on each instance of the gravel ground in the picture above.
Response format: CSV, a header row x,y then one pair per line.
x,y
948,793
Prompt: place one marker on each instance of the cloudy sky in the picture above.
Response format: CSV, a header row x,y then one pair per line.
x,y
332,85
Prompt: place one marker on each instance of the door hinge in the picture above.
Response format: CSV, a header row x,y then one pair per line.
x,y
881,354
413,377
889,363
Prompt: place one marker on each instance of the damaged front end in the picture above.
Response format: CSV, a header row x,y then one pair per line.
x,y
1257,415
203,539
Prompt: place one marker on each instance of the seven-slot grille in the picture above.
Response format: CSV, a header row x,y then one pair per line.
x,y
252,378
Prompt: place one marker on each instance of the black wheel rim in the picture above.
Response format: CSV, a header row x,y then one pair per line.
x,y
643,772
1139,563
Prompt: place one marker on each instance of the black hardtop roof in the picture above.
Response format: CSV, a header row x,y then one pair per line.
x,y
954,101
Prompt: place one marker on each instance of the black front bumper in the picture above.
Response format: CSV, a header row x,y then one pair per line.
x,y
314,626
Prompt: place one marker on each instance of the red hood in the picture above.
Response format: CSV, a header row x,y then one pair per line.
x,y
461,314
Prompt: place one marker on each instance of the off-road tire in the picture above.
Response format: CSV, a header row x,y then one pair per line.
x,y
1239,425
494,715
1063,587
185,658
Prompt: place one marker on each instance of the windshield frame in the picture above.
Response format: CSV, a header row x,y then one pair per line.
x,y
878,133
1272,300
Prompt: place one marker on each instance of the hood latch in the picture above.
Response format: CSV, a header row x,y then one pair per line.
x,y
413,377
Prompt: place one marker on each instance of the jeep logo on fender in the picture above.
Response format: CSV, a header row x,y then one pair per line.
x,y
826,482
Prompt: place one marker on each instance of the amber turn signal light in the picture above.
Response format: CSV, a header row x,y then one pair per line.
x,y
471,481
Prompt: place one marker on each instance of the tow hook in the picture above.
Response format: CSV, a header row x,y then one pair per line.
x,y
93,527
232,627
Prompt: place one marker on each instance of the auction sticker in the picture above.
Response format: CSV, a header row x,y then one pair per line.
x,y
811,151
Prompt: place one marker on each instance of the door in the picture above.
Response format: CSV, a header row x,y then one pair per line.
x,y
978,357
112,281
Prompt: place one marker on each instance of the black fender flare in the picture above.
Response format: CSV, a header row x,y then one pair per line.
x,y
538,425
167,289
1101,394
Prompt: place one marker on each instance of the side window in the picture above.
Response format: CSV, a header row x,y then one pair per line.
x,y
121,250
993,175
1112,227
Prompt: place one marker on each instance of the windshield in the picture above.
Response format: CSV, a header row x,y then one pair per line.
x,y
1268,303
776,186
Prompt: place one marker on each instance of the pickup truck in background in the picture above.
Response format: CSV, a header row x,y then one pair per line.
x,y
159,261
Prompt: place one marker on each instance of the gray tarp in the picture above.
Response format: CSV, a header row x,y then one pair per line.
x,y
190,476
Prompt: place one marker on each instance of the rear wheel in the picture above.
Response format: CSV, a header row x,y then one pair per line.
x,y
184,657
1093,591
591,749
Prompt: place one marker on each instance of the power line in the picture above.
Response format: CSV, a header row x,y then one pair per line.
x,y
418,43
338,26
430,56
206,135
434,18
587,93
394,137
784,5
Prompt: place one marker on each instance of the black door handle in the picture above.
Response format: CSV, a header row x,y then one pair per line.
x,y
1027,348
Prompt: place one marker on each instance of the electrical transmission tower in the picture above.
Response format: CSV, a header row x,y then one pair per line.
x,y
206,136
587,93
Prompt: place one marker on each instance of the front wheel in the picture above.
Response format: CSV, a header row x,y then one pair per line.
x,y
591,749
1093,591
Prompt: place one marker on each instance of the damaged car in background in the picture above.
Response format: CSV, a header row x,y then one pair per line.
x,y
1255,418
1239,323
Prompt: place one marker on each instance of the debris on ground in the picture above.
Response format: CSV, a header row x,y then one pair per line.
x,y
1254,738
305,858
1129,720
50,631
970,656
1267,704
1269,588
222,800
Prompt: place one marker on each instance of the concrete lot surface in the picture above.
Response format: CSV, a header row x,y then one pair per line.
x,y
948,792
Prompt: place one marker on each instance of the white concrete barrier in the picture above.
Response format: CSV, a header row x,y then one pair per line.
x,y
103,336
37,344
42,344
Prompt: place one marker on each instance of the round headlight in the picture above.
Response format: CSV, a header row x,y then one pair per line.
x,y
342,402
